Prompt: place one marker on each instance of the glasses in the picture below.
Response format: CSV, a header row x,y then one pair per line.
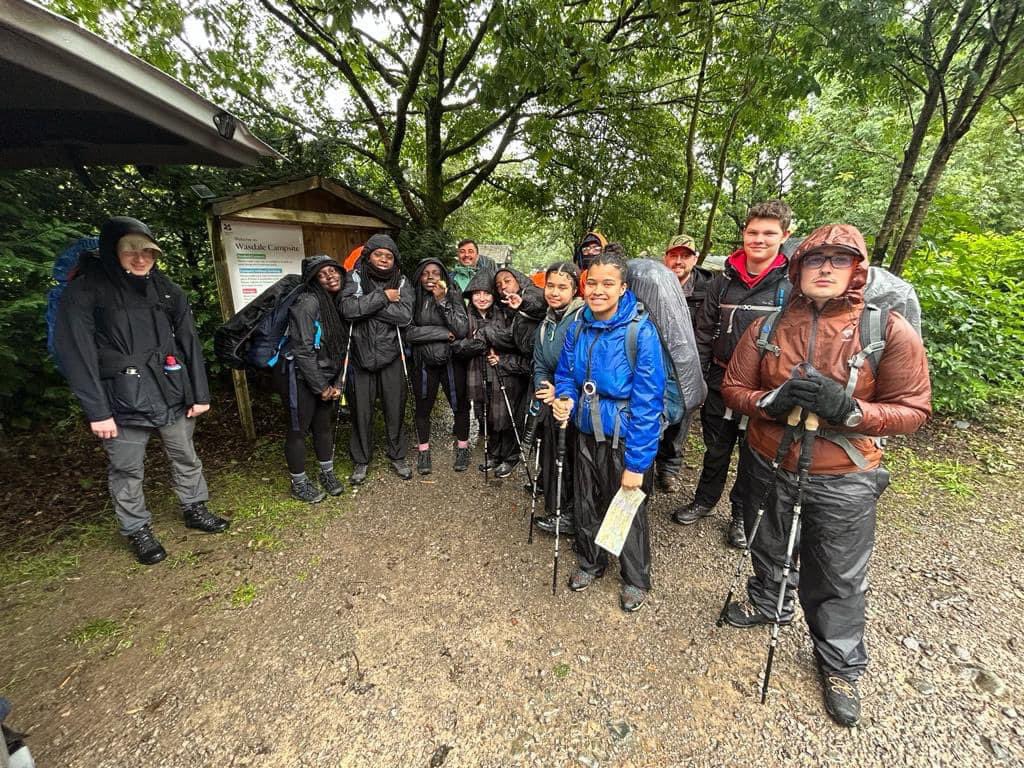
x,y
591,248
837,260
149,254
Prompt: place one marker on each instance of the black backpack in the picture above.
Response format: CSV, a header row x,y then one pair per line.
x,y
254,337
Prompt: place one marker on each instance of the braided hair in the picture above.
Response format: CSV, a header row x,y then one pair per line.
x,y
330,320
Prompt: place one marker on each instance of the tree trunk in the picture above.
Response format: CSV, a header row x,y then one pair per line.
x,y
691,134
925,193
723,154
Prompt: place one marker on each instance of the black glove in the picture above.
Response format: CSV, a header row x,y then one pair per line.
x,y
793,392
831,401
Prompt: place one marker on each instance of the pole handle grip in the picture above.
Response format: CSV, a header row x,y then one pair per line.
x,y
811,422
794,416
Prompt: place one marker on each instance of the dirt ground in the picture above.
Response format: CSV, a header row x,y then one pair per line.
x,y
410,624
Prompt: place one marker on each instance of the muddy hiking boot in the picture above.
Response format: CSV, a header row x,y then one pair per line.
x,y
401,468
580,579
200,518
330,482
507,467
358,476
737,536
566,527
490,463
842,699
690,514
306,490
744,614
668,482
423,464
461,463
148,550
632,599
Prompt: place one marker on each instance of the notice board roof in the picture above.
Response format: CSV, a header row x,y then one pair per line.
x,y
270,201
71,98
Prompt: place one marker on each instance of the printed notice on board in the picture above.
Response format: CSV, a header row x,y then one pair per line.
x,y
619,519
258,255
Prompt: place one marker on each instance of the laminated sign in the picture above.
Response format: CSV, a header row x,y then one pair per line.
x,y
618,520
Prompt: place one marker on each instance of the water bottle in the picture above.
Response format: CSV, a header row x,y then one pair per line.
x,y
171,364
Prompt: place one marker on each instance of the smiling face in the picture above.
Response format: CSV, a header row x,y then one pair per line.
x,y
482,300
821,282
468,255
382,258
506,283
330,279
604,289
761,241
559,289
137,254
430,276
681,261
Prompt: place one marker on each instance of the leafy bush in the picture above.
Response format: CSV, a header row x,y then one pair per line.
x,y
972,303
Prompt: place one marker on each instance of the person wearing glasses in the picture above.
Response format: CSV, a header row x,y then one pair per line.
x,y
128,347
814,356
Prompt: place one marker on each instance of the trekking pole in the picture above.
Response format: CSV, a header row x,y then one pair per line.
x,y
341,400
487,394
536,474
512,418
559,463
803,466
780,456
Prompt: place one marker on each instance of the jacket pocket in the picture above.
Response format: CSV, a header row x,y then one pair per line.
x,y
124,390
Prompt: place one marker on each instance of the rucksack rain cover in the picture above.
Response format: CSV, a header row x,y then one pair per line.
x,y
657,287
232,341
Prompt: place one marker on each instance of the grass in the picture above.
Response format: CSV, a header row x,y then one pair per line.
x,y
244,594
561,671
107,635
41,562
916,476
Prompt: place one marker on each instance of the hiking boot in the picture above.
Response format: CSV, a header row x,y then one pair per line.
x,y
330,482
528,487
358,476
744,615
842,699
490,463
461,459
566,527
506,468
631,599
202,519
306,490
401,468
669,482
580,579
148,550
690,514
423,465
737,536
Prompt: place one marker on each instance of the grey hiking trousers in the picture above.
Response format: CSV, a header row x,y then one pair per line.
x,y
127,455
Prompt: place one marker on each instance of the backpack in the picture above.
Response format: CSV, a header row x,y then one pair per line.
x,y
65,269
255,336
884,292
660,298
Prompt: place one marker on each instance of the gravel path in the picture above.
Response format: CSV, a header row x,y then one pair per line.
x,y
417,628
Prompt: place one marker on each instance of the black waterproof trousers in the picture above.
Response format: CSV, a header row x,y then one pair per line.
x,y
364,387
305,411
833,547
672,446
720,438
548,432
598,478
426,379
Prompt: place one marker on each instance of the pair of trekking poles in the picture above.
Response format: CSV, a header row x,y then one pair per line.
x,y
560,449
810,430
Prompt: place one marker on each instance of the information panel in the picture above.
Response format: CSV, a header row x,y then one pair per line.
x,y
258,255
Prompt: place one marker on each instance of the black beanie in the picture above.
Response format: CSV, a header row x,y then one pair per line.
x,y
312,265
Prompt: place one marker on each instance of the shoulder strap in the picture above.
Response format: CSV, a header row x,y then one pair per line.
x,y
631,340
764,337
873,322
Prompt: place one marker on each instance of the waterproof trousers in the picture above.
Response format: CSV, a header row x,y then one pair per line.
x,y
720,437
127,456
364,388
672,446
426,379
598,478
305,411
548,432
833,548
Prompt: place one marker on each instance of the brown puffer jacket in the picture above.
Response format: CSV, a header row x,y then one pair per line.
x,y
895,400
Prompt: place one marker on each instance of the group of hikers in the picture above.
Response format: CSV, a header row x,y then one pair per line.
x,y
566,372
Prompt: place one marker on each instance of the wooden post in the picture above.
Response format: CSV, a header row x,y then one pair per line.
x,y
227,310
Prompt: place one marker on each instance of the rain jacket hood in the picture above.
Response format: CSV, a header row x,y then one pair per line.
x,y
481,281
842,236
590,237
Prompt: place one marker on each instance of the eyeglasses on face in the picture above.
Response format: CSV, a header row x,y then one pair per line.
x,y
837,260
